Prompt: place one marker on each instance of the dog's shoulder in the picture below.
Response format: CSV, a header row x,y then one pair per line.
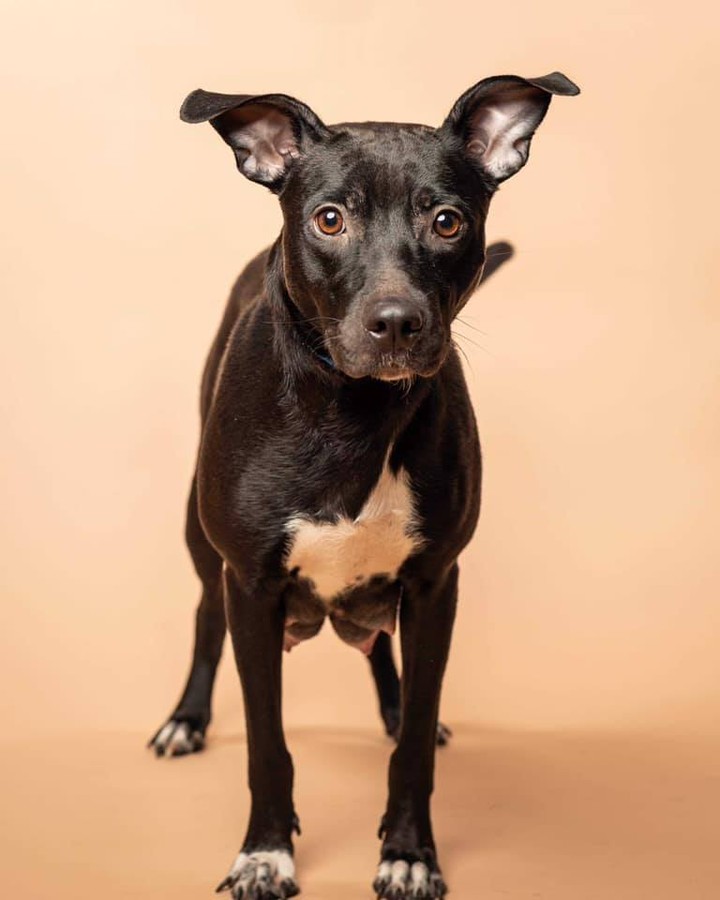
x,y
247,289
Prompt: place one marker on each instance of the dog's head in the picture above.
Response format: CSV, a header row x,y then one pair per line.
x,y
384,234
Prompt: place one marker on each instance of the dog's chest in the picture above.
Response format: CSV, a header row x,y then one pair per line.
x,y
337,555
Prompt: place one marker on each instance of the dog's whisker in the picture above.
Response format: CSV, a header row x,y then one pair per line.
x,y
464,337
464,321
465,356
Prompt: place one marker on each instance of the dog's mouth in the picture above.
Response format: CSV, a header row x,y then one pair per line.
x,y
399,367
395,375
403,366
395,367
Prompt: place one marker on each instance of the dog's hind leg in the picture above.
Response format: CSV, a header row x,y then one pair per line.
x,y
184,731
387,683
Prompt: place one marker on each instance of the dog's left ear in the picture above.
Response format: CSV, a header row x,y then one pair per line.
x,y
266,132
497,117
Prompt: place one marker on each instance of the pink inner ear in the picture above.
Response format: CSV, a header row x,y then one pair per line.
x,y
501,128
266,135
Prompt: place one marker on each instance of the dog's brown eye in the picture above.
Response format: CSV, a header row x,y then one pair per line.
x,y
329,221
447,223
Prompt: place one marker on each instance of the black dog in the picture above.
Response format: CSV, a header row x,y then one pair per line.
x,y
339,467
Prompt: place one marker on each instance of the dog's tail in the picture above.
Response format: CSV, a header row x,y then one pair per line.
x,y
496,255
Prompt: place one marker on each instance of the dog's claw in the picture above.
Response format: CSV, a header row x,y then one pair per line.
x,y
178,737
288,888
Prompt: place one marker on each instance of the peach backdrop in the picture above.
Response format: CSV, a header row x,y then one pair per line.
x,y
590,594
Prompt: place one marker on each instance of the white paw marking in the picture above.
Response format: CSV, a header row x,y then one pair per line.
x,y
384,871
177,739
419,878
335,555
403,879
165,733
262,873
399,874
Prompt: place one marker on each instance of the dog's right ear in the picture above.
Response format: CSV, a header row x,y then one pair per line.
x,y
267,132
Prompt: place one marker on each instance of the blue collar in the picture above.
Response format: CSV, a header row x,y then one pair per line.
x,y
320,354
324,358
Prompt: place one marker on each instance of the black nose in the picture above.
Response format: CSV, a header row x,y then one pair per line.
x,y
394,323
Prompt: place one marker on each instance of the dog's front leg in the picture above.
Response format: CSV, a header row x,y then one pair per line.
x,y
408,861
264,868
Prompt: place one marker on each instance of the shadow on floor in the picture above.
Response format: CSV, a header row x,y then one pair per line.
x,y
566,816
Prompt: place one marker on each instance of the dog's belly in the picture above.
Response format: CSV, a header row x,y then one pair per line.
x,y
347,568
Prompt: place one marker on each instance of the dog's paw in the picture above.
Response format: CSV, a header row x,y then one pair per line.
x,y
399,879
392,727
261,875
443,735
178,737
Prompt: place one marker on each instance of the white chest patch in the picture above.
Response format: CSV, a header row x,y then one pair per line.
x,y
336,555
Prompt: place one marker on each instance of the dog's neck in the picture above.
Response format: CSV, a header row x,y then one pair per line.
x,y
302,331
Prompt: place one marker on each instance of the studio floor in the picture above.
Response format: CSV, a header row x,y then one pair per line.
x,y
559,816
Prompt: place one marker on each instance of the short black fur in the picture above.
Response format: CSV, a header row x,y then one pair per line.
x,y
334,367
